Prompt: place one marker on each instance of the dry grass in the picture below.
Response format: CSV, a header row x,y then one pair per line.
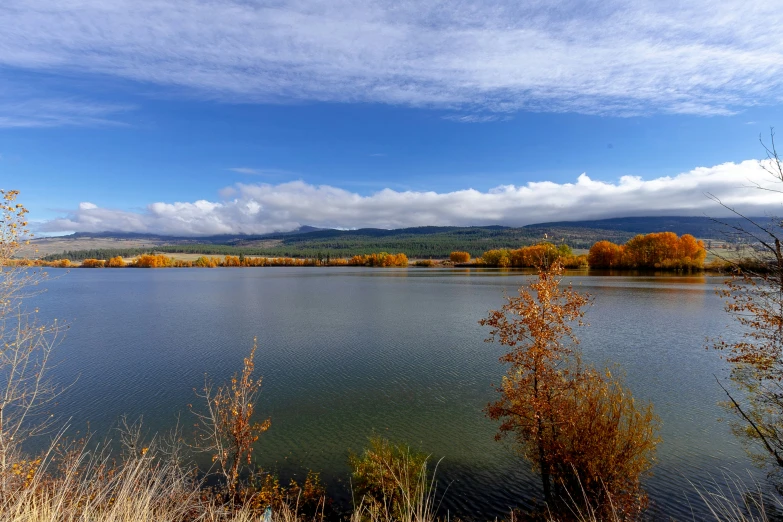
x,y
151,483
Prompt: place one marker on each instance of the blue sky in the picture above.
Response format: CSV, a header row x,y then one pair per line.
x,y
240,116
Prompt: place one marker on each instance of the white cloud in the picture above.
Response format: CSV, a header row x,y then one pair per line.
x,y
262,208
614,57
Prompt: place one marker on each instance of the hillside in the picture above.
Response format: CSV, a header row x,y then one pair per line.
x,y
418,242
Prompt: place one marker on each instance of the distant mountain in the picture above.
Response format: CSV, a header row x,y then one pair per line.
x,y
216,239
420,242
700,227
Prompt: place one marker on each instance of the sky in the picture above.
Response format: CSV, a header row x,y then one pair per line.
x,y
243,116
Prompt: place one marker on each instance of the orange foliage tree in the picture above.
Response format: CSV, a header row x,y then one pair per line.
x,y
661,250
460,257
227,429
605,254
116,262
533,256
380,259
580,428
231,261
93,263
205,262
153,261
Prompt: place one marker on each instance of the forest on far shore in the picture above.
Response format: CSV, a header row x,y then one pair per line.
x,y
416,243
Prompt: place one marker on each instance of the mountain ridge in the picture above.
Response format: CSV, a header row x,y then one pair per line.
x,y
425,241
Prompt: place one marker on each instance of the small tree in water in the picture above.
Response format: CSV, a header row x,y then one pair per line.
x,y
227,429
578,427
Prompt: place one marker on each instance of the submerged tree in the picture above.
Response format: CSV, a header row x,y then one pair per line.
x,y
578,427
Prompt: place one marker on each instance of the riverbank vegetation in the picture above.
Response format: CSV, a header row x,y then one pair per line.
x,y
663,251
418,243
656,251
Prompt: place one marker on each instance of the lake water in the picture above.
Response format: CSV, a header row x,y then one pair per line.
x,y
348,352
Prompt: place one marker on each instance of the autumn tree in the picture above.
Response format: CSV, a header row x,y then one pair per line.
x,y
227,429
579,428
661,250
754,298
605,254
116,262
93,263
153,261
380,259
498,257
459,257
26,345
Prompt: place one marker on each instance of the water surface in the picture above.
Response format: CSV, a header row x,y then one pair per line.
x,y
347,352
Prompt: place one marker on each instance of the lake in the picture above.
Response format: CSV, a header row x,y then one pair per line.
x,y
348,352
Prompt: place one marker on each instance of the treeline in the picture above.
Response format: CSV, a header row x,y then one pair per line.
x,y
428,242
542,254
378,259
163,261
662,250
658,250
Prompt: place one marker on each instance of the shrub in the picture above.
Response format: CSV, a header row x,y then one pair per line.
x,y
393,482
459,257
93,263
116,262
580,429
153,261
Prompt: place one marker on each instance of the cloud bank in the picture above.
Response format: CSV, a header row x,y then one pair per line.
x,y
264,208
477,58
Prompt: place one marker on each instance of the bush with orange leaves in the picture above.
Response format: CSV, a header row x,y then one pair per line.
x,y
578,427
659,250
459,257
380,259
116,262
227,429
153,261
93,263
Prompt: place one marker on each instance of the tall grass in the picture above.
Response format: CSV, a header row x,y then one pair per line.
x,y
152,483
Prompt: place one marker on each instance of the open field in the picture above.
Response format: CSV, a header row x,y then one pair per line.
x,y
42,247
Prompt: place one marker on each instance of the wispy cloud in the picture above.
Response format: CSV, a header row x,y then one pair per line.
x,y
261,208
58,113
476,118
251,171
483,58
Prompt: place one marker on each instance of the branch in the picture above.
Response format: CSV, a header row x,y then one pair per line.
x,y
741,229
763,438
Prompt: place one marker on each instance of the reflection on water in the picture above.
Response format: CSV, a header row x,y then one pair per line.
x,y
347,352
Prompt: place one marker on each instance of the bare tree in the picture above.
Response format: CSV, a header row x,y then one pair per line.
x,y
26,345
754,297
